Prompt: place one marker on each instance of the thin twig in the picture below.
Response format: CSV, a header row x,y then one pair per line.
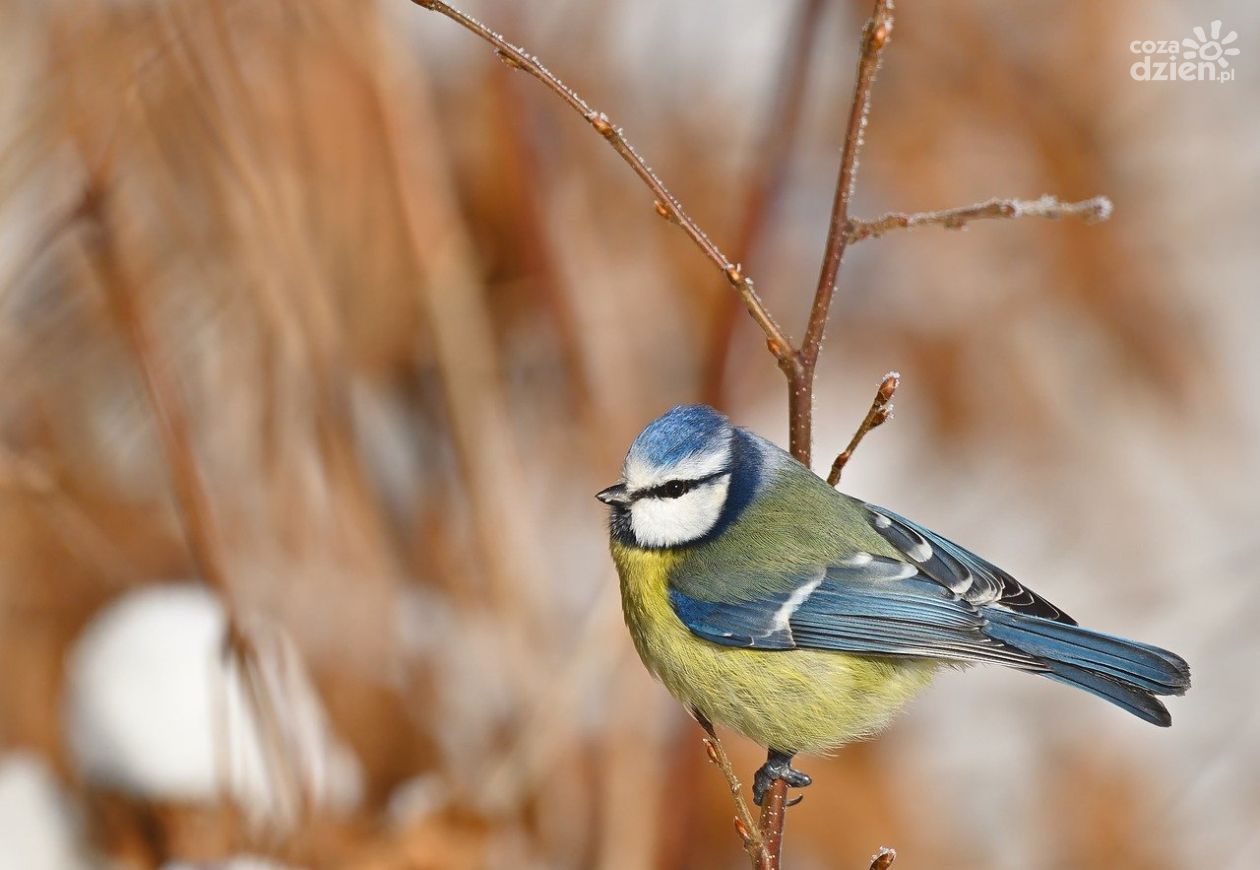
x,y
745,824
1097,208
667,205
875,36
765,187
884,858
880,413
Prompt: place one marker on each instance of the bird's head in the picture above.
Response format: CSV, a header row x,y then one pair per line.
x,y
676,482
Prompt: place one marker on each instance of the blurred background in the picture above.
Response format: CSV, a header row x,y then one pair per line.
x,y
320,326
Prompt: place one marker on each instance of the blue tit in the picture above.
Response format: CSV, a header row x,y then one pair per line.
x,y
769,602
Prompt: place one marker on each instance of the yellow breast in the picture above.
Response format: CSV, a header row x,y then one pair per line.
x,y
793,701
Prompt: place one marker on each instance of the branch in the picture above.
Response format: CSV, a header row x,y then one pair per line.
x,y
667,205
880,413
884,858
745,825
773,815
1092,210
875,37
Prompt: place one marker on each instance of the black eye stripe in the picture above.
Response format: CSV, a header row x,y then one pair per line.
x,y
677,488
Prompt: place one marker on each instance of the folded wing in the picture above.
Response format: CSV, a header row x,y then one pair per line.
x,y
938,601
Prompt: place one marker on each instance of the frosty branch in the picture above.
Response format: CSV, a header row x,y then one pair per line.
x,y
1097,208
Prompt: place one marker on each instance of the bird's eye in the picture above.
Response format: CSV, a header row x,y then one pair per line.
x,y
674,489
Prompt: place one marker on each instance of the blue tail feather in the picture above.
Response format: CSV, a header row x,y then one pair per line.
x,y
1127,673
1142,704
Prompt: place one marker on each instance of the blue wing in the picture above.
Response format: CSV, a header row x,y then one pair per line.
x,y
962,571
879,606
938,601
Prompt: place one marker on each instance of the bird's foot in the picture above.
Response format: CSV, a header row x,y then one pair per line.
x,y
778,766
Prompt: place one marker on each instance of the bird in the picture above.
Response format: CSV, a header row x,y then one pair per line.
x,y
767,601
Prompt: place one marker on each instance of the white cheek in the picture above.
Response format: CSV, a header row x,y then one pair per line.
x,y
668,522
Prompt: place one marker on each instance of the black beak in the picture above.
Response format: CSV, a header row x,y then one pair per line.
x,y
614,495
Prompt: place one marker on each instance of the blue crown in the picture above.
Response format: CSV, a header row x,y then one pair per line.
x,y
682,431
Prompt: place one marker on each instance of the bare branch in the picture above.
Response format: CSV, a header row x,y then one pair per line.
x,y
745,824
773,815
880,413
875,37
667,205
1092,210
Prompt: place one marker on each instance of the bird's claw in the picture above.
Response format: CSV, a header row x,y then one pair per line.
x,y
777,766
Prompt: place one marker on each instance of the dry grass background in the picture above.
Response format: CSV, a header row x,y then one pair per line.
x,y
415,311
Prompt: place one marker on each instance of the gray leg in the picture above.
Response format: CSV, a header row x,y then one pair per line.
x,y
778,766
